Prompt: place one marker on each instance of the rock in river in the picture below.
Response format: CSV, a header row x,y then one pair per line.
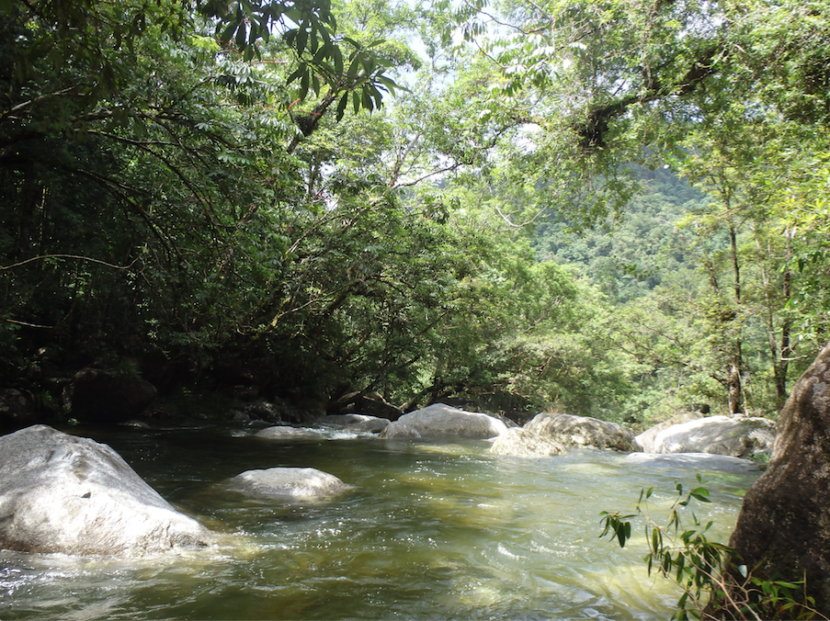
x,y
582,432
439,420
61,493
357,423
518,442
288,484
284,432
719,435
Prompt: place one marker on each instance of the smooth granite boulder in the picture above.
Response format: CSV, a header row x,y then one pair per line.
x,y
582,432
103,396
720,435
519,442
61,493
442,421
288,484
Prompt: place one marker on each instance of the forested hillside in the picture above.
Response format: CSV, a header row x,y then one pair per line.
x,y
628,256
239,198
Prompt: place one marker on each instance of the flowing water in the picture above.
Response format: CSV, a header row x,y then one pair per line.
x,y
431,531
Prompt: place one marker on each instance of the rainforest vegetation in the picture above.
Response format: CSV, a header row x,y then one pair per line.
x,y
610,208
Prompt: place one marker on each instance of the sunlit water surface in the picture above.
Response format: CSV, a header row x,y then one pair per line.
x,y
431,531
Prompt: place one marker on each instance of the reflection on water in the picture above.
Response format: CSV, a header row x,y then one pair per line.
x,y
432,531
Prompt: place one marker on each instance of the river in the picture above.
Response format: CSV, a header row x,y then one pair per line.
x,y
431,531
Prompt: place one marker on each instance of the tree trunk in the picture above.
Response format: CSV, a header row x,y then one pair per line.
x,y
733,384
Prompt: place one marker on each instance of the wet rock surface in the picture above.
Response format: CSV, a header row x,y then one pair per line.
x,y
61,493
288,484
518,442
582,432
720,435
439,420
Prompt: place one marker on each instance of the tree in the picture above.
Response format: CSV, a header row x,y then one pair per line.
x,y
135,150
687,84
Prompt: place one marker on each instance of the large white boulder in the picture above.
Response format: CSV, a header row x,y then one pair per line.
x,y
439,420
519,442
646,439
719,435
61,493
582,432
288,484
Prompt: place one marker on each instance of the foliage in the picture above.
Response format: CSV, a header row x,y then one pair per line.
x,y
228,221
713,583
194,182
729,96
629,257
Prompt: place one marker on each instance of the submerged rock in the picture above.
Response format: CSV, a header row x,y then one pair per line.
x,y
284,432
439,420
61,493
518,442
719,435
698,463
358,423
582,432
288,484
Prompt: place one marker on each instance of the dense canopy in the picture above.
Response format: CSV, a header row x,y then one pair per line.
x,y
611,208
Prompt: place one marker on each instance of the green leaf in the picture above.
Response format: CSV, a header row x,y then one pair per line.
x,y
337,57
302,37
354,67
304,83
322,52
621,534
227,34
294,14
341,107
701,494
375,94
241,40
296,74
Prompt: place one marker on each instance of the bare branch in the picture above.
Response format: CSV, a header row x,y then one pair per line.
x,y
68,256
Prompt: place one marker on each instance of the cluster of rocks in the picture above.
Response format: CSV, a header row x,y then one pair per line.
x,y
552,433
62,493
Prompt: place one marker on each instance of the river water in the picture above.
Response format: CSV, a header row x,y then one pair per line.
x,y
430,531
